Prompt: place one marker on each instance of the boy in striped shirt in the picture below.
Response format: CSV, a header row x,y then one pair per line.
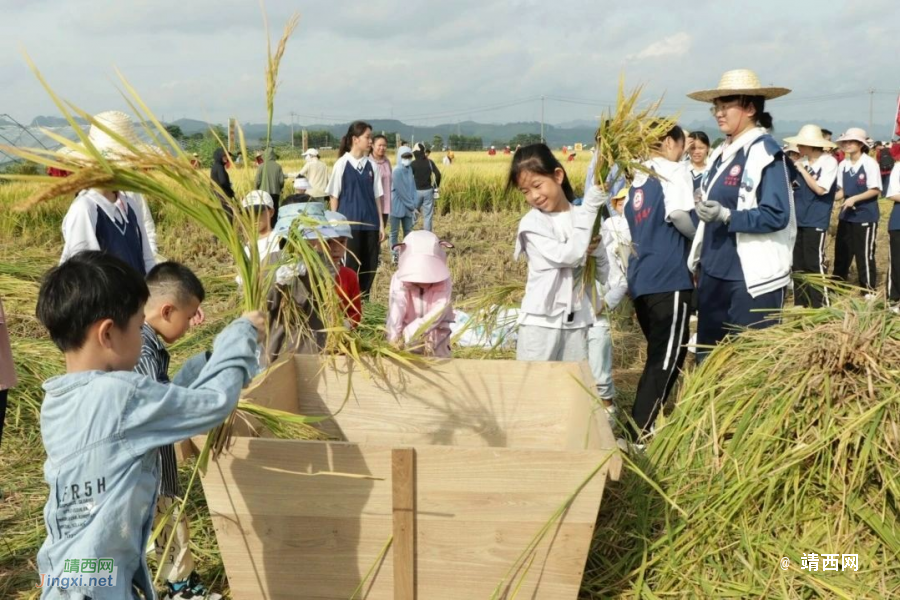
x,y
175,297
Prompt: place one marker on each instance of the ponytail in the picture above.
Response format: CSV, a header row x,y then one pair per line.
x,y
356,129
765,120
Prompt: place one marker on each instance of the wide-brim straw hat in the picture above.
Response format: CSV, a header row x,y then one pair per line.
x,y
854,134
739,82
117,146
810,135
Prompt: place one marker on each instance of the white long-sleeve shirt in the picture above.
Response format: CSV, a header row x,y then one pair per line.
x,y
556,247
146,218
79,226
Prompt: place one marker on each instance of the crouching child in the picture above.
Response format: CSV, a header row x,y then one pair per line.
x,y
420,310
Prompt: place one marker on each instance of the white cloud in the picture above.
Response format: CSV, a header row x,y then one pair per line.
x,y
674,45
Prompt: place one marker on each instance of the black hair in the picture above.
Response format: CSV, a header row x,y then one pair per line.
x,y
89,287
379,136
296,199
356,129
826,132
763,119
173,279
538,159
700,136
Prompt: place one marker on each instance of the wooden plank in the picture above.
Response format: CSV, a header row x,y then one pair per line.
x,y
458,402
403,487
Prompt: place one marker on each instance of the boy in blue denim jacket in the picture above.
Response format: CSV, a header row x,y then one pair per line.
x,y
102,424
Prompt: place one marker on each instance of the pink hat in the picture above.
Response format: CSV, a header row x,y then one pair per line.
x,y
854,134
422,258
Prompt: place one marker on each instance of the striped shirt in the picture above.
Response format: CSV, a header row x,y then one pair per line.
x,y
154,363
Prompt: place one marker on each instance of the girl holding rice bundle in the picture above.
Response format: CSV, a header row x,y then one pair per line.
x,y
555,238
659,281
745,242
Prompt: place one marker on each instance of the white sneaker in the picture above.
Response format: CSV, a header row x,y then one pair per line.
x,y
896,309
871,297
612,414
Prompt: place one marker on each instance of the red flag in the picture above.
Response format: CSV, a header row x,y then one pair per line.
x,y
897,127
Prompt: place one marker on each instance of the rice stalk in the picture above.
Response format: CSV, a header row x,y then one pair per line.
x,y
783,442
625,138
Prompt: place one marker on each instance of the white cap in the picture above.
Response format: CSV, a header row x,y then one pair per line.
x,y
311,152
258,198
301,184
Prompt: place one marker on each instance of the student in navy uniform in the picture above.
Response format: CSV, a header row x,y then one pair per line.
x,y
745,241
815,184
107,220
356,192
659,282
698,153
893,275
859,181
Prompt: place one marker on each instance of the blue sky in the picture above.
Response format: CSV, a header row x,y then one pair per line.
x,y
434,62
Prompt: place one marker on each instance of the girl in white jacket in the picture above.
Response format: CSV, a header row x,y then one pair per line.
x,y
555,238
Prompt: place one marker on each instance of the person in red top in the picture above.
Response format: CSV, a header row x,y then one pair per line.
x,y
492,151
347,279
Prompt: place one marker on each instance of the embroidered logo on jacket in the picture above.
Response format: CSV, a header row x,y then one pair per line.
x,y
638,199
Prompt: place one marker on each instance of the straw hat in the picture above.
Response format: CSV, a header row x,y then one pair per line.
x,y
792,148
740,82
810,135
119,124
854,134
301,184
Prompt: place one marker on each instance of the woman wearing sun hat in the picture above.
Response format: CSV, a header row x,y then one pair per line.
x,y
815,184
746,236
859,183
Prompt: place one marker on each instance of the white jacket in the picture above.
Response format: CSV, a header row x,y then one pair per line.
x,y
551,286
766,258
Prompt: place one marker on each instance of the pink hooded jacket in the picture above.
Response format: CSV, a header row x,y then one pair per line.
x,y
420,295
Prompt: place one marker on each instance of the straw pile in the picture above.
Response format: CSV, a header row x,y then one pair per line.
x,y
784,443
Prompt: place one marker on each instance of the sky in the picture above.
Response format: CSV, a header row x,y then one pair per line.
x,y
430,62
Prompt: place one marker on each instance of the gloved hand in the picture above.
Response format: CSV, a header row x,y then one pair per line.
x,y
710,211
595,197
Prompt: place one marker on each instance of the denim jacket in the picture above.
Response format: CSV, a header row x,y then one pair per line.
x,y
101,432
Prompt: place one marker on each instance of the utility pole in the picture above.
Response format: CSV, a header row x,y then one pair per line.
x,y
293,114
871,108
542,119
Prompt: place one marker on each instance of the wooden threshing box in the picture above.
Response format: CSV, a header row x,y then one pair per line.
x,y
463,463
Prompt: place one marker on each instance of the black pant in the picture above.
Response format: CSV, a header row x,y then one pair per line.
x,y
362,257
893,275
809,257
856,240
664,321
3,394
275,199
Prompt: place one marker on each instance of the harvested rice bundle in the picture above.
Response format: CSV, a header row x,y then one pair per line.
x,y
783,443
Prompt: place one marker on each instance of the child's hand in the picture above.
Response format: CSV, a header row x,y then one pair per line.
x,y
258,319
198,318
595,243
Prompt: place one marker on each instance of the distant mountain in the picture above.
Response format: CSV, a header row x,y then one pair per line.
x,y
191,126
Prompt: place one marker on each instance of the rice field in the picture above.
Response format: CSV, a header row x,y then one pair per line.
x,y
480,219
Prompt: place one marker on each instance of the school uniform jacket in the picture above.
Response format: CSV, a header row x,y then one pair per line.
x,y
765,223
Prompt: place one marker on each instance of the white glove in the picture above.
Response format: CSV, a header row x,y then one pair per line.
x,y
595,197
710,211
286,273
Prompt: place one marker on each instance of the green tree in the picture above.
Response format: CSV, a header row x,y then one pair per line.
x,y
525,139
437,143
175,132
